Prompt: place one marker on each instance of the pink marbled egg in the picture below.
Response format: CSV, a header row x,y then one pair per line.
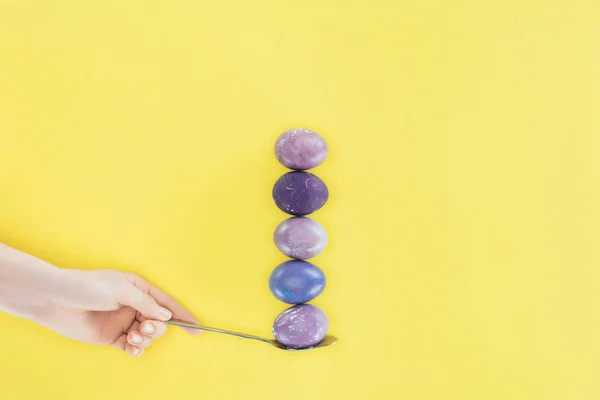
x,y
300,149
300,238
301,326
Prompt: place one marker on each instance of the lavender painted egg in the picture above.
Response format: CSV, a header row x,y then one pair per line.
x,y
301,326
300,149
300,193
300,238
296,282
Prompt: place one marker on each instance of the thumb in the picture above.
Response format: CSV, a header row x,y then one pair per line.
x,y
136,298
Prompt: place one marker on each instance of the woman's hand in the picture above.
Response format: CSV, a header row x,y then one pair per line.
x,y
97,307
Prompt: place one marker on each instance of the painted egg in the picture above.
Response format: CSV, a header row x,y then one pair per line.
x,y
300,238
300,193
300,149
296,282
301,326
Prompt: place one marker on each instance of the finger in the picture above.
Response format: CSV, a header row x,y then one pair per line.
x,y
136,338
133,327
153,329
138,298
140,317
179,311
133,351
120,342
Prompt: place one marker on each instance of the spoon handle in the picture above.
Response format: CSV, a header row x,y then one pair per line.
x,y
184,324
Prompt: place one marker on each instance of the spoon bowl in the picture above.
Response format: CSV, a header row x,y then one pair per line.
x,y
326,342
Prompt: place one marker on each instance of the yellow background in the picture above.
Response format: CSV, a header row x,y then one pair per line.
x,y
464,176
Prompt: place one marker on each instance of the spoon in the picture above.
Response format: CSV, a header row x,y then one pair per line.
x,y
326,342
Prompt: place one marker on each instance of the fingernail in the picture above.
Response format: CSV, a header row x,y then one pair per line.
x,y
136,338
148,328
135,351
165,313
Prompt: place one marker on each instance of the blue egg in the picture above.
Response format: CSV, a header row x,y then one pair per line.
x,y
296,282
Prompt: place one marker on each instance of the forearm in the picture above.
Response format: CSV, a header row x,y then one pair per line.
x,y
27,283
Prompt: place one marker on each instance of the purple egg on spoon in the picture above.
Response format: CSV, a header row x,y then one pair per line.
x,y
296,282
300,193
300,149
300,238
301,327
325,342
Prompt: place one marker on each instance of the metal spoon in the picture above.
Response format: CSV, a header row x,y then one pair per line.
x,y
326,342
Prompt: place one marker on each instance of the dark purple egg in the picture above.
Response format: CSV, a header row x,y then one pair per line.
x,y
296,282
301,326
300,238
300,193
300,149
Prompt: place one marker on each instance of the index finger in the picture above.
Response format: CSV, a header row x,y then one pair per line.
x,y
165,300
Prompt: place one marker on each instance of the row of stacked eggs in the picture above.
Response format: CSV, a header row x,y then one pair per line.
x,y
297,281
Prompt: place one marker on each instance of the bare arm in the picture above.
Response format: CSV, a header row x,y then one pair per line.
x,y
103,307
